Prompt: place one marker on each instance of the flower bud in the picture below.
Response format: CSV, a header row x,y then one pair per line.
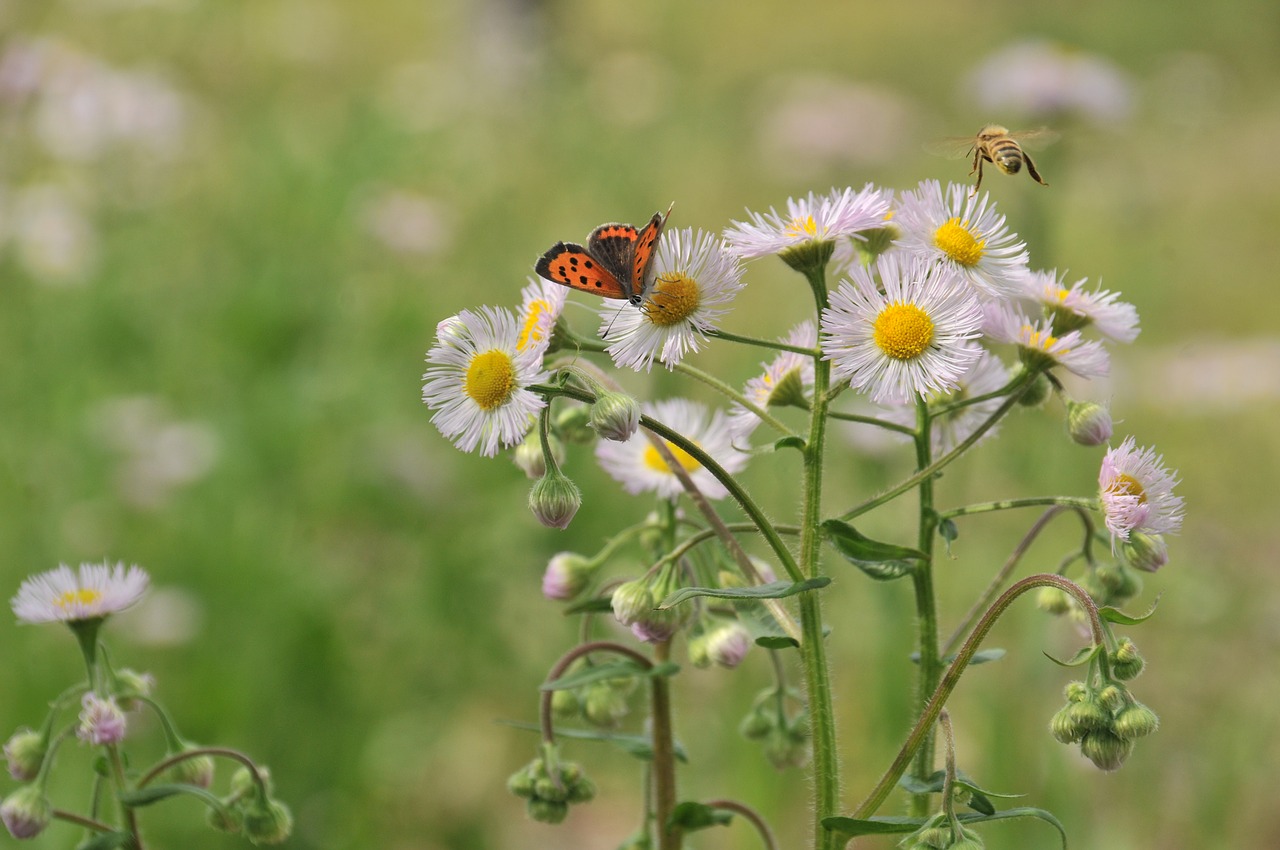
x,y
931,838
1106,749
522,781
1063,728
784,751
1075,691
530,458
101,720
1088,423
728,643
1120,581
26,812
809,257
1088,715
547,811
130,685
582,790
1126,663
554,499
24,751
1112,697
1034,395
1136,721
566,576
615,416
227,819
573,424
267,821
551,789
756,725
243,785
1053,600
631,601
638,841
657,626
603,706
197,770
565,704
697,648
1146,552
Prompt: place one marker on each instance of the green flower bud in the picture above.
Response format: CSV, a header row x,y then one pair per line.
x,y
554,499
1106,749
547,788
1040,388
529,457
130,685
197,770
1113,697
24,751
1126,663
573,424
565,704
522,781
639,841
547,811
582,790
1063,728
26,812
1075,691
227,819
267,822
631,601
756,725
567,575
783,751
242,784
808,257
1088,423
931,838
604,706
699,656
1146,552
727,643
1120,581
1136,721
1088,715
1053,600
615,416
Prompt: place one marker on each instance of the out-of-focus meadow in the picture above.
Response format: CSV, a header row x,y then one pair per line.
x,y
227,232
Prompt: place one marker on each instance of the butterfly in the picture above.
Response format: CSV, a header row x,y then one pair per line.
x,y
617,262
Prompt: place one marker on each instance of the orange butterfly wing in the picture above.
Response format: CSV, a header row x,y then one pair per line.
x,y
645,250
569,264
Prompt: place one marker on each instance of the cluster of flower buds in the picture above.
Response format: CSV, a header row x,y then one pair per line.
x,y
251,809
635,605
601,703
941,832
550,785
1104,721
1111,583
785,739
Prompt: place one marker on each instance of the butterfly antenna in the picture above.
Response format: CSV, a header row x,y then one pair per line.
x,y
605,335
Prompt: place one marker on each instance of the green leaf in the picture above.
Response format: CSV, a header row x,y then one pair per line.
x,y
104,841
691,816
791,442
982,656
637,745
772,590
854,827
762,625
592,605
625,669
1085,655
152,794
947,530
880,561
1115,615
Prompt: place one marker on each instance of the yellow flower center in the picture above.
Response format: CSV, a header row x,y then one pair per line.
x,y
1041,340
529,334
803,227
1127,485
80,596
490,379
957,241
654,461
675,297
903,331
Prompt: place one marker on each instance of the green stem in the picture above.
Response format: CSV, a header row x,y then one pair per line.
x,y
736,397
930,664
1077,502
195,752
871,420
813,655
710,534
949,680
664,761
752,816
127,812
81,820
763,343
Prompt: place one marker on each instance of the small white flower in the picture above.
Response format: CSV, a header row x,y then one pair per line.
x,y
540,307
963,232
95,590
986,375
1046,80
1137,492
639,467
696,279
905,336
1039,347
789,373
1074,308
477,381
841,212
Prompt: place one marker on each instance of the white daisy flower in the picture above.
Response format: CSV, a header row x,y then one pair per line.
x,y
94,591
841,212
789,377
1137,492
696,279
540,307
904,336
1074,309
1039,347
638,466
963,232
986,375
477,381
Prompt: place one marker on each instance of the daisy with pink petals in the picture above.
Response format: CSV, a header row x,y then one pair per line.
x,y
1075,308
92,592
1040,348
1137,492
815,218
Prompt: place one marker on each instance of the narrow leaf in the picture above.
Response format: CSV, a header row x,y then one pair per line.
x,y
152,794
104,841
880,561
979,802
762,625
791,442
982,656
691,816
625,669
854,827
1085,654
772,590
591,605
1115,615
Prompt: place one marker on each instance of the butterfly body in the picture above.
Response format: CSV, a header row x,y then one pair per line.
x,y
617,261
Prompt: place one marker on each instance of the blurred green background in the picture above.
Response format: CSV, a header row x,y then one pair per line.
x,y
229,229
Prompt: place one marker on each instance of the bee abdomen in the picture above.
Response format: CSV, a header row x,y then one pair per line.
x,y
1007,155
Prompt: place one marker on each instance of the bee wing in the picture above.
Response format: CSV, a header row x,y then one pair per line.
x,y
1036,139
951,147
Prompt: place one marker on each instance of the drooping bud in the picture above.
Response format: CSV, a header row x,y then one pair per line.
x,y
567,575
1120,581
658,625
530,457
631,601
1136,721
1146,552
1126,662
565,704
1088,423
130,685
197,770
554,499
26,812
728,643
756,724
604,706
1088,715
1063,728
101,720
615,416
267,821
25,751
1106,749
1053,600
1034,395
547,811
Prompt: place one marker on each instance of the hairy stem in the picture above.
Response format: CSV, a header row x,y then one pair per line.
x,y
752,816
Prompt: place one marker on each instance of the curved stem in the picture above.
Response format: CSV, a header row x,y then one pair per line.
x,y
951,678
871,420
763,343
1002,575
557,670
947,409
225,752
706,534
752,816
736,397
81,820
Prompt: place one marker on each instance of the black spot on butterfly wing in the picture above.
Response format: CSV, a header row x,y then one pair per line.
x,y
614,247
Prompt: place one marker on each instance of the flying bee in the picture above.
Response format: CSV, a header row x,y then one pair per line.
x,y
998,146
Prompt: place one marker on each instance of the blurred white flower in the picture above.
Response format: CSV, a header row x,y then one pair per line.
x,y
54,239
168,616
1043,80
406,222
156,454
